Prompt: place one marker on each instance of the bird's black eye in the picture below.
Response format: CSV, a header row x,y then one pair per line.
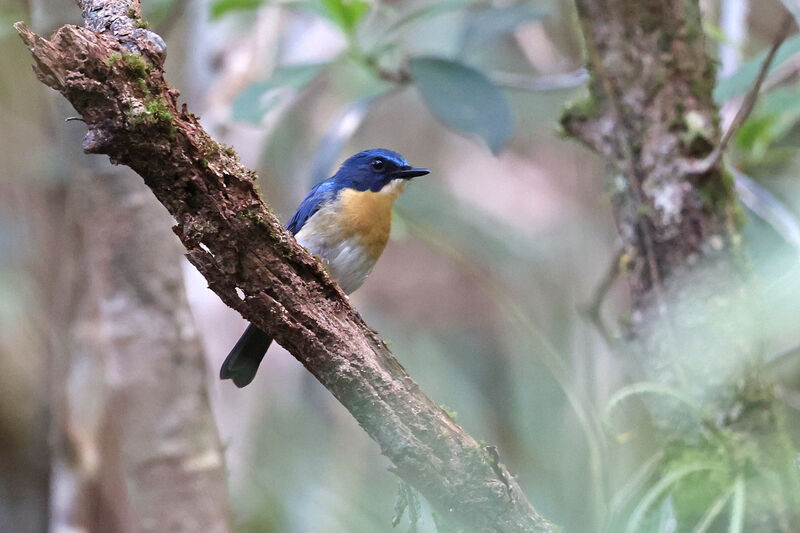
x,y
378,164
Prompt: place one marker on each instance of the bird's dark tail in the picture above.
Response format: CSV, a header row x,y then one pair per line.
x,y
242,363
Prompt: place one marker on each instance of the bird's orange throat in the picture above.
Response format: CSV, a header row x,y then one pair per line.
x,y
350,232
367,215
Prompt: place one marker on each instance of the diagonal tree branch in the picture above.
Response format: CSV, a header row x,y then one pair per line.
x,y
112,73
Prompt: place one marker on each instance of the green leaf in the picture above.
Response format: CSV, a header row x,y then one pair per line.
x,y
464,99
741,80
667,523
491,23
659,488
777,114
255,101
736,524
346,13
756,135
713,512
634,484
647,387
222,7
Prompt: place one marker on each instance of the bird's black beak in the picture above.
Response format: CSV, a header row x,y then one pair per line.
x,y
407,173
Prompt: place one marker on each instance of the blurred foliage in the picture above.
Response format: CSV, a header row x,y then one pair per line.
x,y
738,83
774,120
461,96
260,97
223,7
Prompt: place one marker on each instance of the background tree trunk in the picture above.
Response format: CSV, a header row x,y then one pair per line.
x,y
133,441
135,412
650,114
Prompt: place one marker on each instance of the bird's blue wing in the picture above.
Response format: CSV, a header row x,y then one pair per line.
x,y
311,204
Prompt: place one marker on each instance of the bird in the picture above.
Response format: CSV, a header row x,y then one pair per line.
x,y
344,221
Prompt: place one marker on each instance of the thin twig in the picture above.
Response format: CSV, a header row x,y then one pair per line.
x,y
704,165
592,309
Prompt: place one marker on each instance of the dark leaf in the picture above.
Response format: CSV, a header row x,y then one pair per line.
x,y
464,99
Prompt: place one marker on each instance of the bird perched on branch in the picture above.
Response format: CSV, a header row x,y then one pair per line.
x,y
345,221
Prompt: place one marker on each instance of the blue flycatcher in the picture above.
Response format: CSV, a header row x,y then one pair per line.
x,y
345,221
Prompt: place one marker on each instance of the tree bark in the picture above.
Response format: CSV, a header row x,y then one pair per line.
x,y
161,465
650,114
111,71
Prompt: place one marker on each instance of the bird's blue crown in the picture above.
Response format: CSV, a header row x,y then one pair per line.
x,y
370,170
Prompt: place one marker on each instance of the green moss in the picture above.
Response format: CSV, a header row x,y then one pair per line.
x,y
208,146
449,412
696,133
644,211
701,87
702,84
131,13
664,42
625,262
693,28
159,110
477,454
580,110
142,23
136,65
737,217
716,191
113,59
155,111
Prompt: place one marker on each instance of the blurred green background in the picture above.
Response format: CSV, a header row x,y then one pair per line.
x,y
493,260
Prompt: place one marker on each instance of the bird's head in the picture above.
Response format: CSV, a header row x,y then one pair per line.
x,y
372,170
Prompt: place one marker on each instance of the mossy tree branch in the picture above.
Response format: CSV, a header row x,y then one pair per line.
x,y
112,73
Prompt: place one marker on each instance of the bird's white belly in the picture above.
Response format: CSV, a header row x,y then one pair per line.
x,y
347,261
350,233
